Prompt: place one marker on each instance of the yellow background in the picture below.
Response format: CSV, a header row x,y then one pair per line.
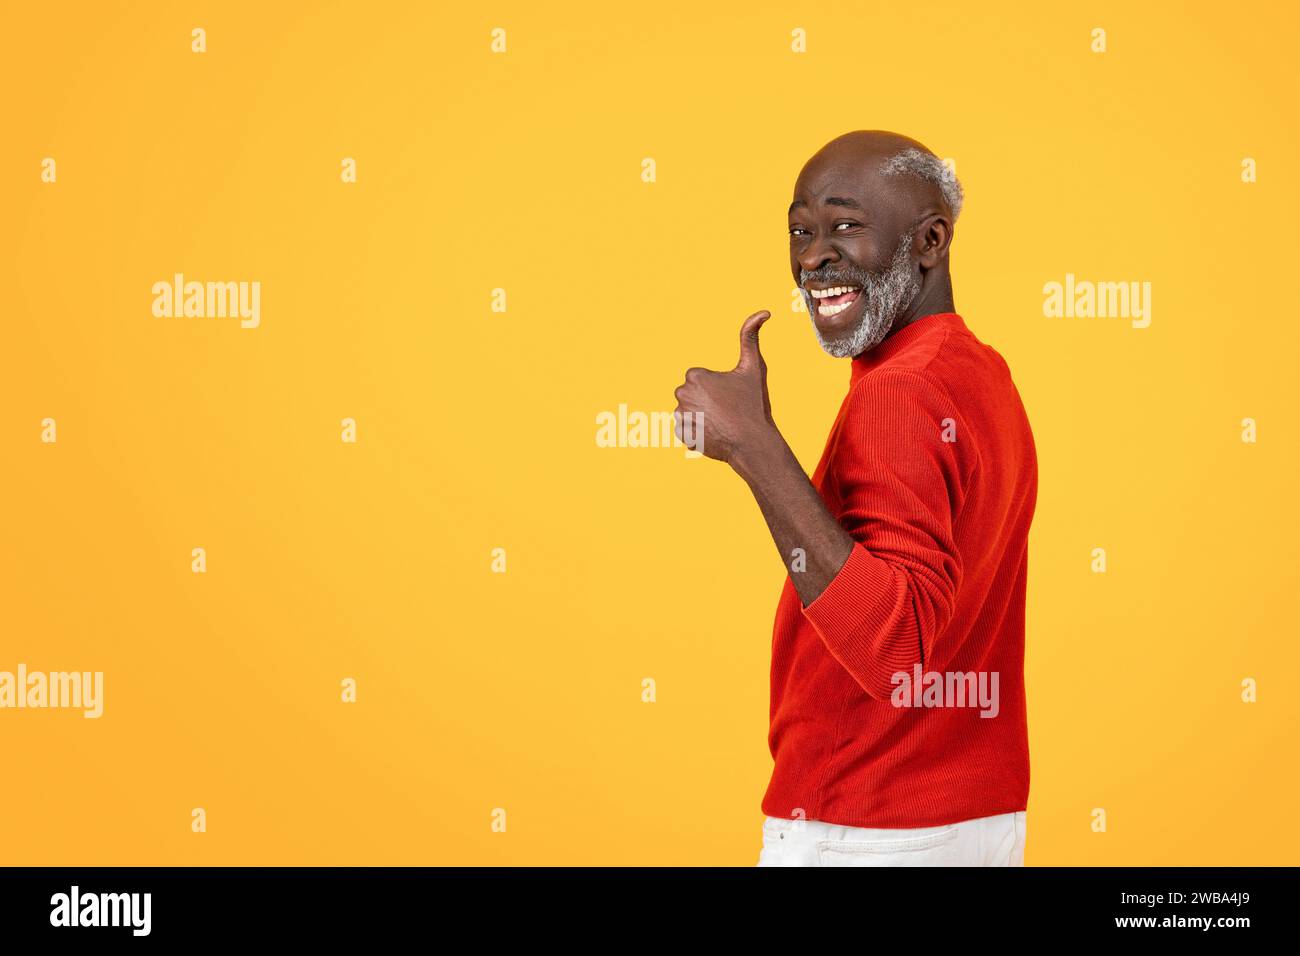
x,y
476,429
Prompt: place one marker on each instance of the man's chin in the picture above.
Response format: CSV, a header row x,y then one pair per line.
x,y
836,349
835,341
834,333
848,343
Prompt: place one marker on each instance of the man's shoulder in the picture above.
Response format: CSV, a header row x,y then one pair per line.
x,y
953,358
951,375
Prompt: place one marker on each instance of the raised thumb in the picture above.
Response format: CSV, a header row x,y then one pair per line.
x,y
750,356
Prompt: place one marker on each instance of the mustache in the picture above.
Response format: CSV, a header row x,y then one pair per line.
x,y
834,278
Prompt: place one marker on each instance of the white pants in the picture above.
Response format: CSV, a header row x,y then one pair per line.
x,y
985,841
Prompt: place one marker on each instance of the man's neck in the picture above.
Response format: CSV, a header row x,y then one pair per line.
x,y
935,296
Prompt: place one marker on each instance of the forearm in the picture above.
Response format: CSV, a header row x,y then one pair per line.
x,y
795,514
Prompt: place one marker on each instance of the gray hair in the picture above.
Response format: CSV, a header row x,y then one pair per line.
x,y
931,168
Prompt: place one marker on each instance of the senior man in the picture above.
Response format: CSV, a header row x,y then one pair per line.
x,y
898,705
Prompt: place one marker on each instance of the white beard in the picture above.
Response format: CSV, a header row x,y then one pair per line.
x,y
884,296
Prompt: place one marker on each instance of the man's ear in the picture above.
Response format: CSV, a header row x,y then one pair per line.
x,y
933,237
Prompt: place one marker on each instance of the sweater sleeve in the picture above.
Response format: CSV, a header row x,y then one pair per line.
x,y
901,466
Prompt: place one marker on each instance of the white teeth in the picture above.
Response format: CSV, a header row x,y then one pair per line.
x,y
833,309
828,309
827,293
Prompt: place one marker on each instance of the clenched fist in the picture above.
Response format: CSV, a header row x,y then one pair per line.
x,y
731,409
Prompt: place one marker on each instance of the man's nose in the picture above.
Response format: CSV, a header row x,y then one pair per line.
x,y
817,255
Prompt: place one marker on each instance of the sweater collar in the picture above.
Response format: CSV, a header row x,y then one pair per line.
x,y
895,341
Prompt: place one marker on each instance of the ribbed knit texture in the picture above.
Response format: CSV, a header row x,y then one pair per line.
x,y
936,578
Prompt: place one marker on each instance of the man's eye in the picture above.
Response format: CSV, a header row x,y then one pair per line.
x,y
795,230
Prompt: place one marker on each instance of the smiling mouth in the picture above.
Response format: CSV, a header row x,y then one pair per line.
x,y
833,301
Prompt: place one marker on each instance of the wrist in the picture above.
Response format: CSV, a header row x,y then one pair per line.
x,y
759,454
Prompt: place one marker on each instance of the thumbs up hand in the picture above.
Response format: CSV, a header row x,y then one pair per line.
x,y
729,411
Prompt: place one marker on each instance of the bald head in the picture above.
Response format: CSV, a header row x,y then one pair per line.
x,y
873,211
924,181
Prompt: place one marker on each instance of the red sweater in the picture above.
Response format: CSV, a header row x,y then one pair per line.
x,y
930,467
